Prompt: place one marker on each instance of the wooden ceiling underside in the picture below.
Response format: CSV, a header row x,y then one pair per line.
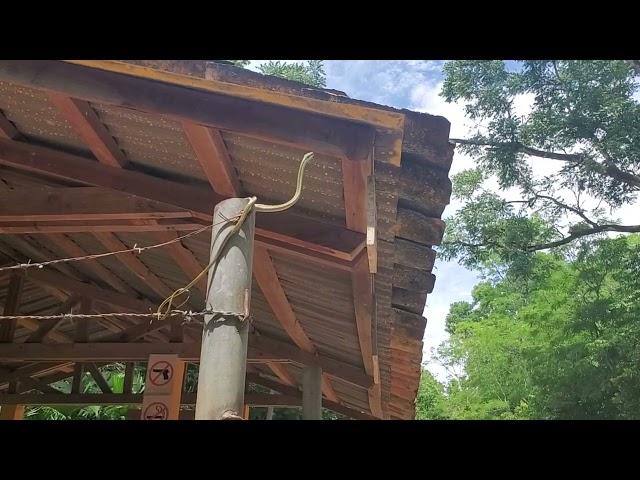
x,y
95,160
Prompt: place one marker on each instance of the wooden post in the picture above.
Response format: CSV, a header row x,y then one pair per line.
x,y
223,358
312,393
269,413
7,331
12,412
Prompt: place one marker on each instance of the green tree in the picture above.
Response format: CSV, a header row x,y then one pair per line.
x,y
310,72
558,343
430,401
585,118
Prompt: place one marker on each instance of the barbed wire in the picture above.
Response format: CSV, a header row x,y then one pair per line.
x,y
89,316
134,249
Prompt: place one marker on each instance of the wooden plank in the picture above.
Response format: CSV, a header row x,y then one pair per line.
x,y
306,130
261,350
99,379
280,370
302,231
264,348
47,327
183,257
35,384
87,125
128,378
68,167
21,228
269,283
293,392
131,261
87,290
351,111
71,249
12,412
11,307
7,129
354,180
212,154
363,301
372,225
81,203
362,284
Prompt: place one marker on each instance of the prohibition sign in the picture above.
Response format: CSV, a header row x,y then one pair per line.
x,y
156,411
161,373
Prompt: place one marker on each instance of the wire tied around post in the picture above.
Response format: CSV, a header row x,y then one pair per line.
x,y
166,305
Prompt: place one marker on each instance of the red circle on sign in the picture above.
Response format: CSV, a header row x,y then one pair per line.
x,y
156,411
160,373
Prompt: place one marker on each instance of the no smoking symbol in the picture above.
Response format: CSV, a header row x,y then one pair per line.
x,y
161,373
156,411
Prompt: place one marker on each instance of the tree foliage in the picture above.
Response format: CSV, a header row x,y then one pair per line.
x,y
310,72
561,342
584,118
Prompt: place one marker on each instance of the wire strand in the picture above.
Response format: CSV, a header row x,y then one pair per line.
x,y
134,249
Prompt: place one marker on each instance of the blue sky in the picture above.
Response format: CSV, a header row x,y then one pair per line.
x,y
413,84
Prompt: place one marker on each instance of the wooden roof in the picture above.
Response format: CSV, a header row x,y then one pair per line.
x,y
99,156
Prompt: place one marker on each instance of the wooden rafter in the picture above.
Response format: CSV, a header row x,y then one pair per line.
x,y
87,125
71,249
261,350
81,204
131,261
183,257
11,306
212,154
307,130
47,327
280,370
321,237
7,129
268,281
98,294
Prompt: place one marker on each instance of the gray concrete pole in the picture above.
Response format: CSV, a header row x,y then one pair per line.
x,y
223,358
312,393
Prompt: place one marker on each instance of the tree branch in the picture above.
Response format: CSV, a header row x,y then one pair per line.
x,y
608,168
557,243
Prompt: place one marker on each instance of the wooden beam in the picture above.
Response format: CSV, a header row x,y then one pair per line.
x,y
72,249
87,125
87,290
7,129
293,392
81,204
266,349
280,370
319,236
372,225
261,350
63,166
113,226
306,130
131,261
269,283
216,80
11,307
12,412
183,257
362,284
354,179
47,327
99,379
363,302
212,154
